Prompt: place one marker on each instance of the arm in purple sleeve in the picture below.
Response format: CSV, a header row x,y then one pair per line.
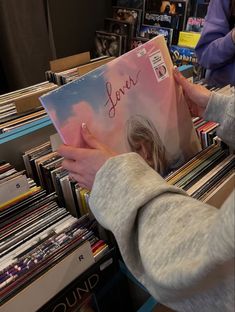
x,y
216,47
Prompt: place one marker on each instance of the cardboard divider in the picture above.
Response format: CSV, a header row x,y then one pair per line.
x,y
30,101
64,63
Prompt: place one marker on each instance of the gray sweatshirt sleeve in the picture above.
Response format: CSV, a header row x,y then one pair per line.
x,y
180,249
221,109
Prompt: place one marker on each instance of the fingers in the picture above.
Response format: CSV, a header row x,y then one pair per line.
x,y
81,180
181,80
83,163
75,173
67,151
71,152
74,153
89,138
70,165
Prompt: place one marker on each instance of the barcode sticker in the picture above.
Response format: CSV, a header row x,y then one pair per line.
x,y
159,66
141,52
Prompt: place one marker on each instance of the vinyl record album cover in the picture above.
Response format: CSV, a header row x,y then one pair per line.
x,y
137,41
122,28
109,44
171,14
147,31
167,7
164,20
195,24
129,15
131,104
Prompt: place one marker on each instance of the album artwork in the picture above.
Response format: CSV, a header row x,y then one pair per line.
x,y
147,31
167,7
162,20
126,103
195,24
137,41
166,14
130,15
174,21
120,27
183,55
109,44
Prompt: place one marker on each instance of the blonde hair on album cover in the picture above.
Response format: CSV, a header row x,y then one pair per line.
x,y
143,138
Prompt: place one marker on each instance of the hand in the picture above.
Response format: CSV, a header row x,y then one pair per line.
x,y
83,163
196,96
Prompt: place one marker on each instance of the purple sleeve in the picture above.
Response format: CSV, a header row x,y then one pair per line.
x,y
216,47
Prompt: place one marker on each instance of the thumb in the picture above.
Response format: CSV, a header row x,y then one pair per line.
x,y
181,80
89,139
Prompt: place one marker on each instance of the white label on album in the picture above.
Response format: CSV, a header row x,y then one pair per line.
x,y
159,66
13,188
141,52
55,141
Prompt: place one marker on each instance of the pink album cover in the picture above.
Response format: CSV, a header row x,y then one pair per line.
x,y
131,104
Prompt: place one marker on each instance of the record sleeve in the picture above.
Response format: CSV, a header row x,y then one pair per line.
x,y
148,32
166,7
136,90
130,15
137,41
195,24
39,162
29,154
70,203
109,44
120,27
220,192
174,21
46,170
215,180
170,14
215,174
201,170
173,177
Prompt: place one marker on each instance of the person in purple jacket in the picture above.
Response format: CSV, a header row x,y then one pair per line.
x,y
216,47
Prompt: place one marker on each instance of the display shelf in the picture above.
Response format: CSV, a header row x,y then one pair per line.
x,y
44,288
14,143
24,130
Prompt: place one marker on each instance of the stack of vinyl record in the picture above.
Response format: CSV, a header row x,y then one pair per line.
x,y
21,107
206,173
36,234
44,166
70,74
14,185
206,130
